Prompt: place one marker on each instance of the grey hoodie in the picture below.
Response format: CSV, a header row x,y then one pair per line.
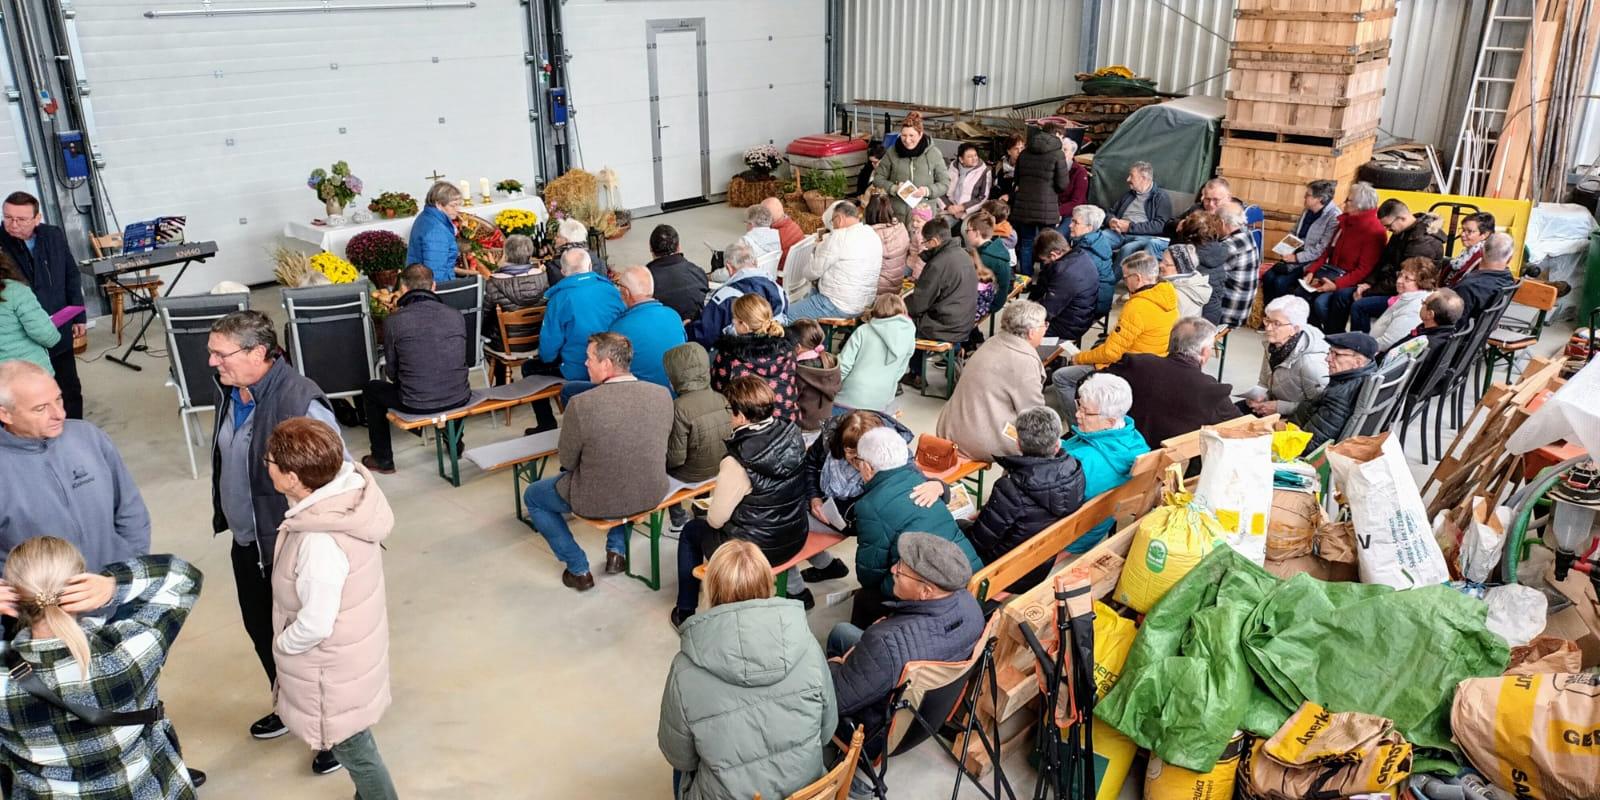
x,y
75,487
749,702
700,418
1194,291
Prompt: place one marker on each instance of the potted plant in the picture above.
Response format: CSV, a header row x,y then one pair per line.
x,y
762,160
393,204
514,221
334,268
823,186
380,255
510,187
335,188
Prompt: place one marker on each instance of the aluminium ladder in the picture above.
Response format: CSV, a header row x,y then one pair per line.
x,y
1505,37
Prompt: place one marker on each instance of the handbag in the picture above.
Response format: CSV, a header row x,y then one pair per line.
x,y
25,677
936,455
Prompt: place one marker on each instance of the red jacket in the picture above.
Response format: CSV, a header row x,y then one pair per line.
x,y
1357,247
1077,192
789,234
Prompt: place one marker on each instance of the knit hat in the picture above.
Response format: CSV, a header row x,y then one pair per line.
x,y
1184,258
1356,342
938,561
913,120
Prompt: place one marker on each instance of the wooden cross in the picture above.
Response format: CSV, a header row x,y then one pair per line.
x,y
435,177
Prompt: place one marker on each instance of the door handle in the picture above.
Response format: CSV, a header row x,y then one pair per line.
x,y
659,126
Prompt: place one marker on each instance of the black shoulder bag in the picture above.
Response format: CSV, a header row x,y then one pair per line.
x,y
25,677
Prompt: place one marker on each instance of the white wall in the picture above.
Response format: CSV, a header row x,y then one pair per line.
x,y
766,73
169,94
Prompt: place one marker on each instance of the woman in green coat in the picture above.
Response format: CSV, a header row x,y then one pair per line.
x,y
749,704
913,158
26,332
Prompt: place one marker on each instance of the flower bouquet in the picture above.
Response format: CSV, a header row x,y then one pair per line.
x,y
510,187
335,268
515,221
763,160
393,204
481,244
380,255
336,188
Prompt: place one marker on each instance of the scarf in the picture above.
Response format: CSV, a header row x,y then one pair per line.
x,y
901,150
1277,354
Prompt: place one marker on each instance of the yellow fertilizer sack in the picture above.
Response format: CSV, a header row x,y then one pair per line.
x,y
1169,542
1319,753
1535,736
1163,781
1113,752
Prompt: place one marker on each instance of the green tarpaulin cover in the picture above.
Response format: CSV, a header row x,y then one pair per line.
x,y
1180,140
1231,647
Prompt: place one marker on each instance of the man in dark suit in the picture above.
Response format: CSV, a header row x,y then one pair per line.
x,y
40,251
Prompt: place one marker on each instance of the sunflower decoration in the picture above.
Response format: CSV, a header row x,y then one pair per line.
x,y
335,268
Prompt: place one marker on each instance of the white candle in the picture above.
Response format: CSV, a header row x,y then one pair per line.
x,y
466,191
483,185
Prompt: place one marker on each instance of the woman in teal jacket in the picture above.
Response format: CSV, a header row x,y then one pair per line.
x,y
26,332
433,235
876,355
1105,443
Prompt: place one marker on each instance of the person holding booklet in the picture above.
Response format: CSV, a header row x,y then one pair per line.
x,y
26,332
41,255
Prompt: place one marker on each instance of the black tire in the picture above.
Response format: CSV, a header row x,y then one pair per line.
x,y
1400,175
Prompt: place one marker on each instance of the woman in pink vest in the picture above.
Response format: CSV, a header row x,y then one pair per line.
x,y
329,621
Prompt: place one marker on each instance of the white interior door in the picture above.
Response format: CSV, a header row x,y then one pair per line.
x,y
679,136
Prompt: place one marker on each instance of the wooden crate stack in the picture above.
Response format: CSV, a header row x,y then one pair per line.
x,y
1304,100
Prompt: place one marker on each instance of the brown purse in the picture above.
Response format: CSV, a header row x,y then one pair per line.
x,y
935,455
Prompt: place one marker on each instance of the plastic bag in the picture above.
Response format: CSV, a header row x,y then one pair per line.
x,y
1482,541
1113,752
1533,735
1516,612
1169,542
1395,544
1289,443
1236,478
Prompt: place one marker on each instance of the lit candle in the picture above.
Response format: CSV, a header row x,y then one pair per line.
x,y
483,186
466,191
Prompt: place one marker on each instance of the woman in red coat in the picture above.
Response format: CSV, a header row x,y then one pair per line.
x,y
1356,249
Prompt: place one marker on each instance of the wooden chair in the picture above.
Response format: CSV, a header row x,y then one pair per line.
x,y
147,285
1514,335
835,785
516,350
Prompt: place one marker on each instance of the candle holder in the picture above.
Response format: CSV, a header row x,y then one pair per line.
x,y
487,198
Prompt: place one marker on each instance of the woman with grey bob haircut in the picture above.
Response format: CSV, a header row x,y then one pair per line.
x,y
1021,317
1038,431
1039,487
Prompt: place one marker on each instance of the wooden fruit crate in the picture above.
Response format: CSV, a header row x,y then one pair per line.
x,y
1314,28
1330,6
1274,175
1335,98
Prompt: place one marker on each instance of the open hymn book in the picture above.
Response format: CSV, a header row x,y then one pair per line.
x,y
1287,245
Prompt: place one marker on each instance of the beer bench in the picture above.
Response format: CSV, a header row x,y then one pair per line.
x,y
449,424
677,492
816,542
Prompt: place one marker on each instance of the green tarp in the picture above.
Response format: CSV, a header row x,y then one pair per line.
x,y
1231,647
1179,138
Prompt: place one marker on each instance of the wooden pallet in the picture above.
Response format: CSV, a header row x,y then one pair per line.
x,y
1288,134
1314,28
1323,100
1274,175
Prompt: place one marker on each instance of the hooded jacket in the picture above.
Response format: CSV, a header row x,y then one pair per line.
x,y
1326,416
1301,376
998,259
1145,326
770,358
820,380
1172,395
1097,244
847,266
1000,380
1042,175
773,514
969,187
1034,493
1423,239
681,284
513,291
1107,458
923,165
896,249
75,487
718,312
885,512
577,307
340,686
1213,258
26,332
1194,292
944,303
749,703
872,361
1068,288
700,418
424,340
652,329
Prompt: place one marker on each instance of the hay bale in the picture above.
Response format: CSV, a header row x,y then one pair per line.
x,y
743,192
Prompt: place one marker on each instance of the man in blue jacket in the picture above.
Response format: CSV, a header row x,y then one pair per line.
x,y
41,252
581,305
1141,216
649,326
744,277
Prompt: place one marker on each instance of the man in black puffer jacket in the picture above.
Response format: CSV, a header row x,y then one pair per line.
x,y
1067,286
1042,175
1350,360
1038,488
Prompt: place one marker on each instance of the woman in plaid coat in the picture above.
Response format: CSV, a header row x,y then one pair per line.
x,y
103,662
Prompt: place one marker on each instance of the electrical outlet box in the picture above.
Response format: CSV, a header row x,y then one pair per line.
x,y
73,158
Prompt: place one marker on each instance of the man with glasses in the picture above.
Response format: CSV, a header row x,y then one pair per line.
x,y
1350,360
256,390
40,251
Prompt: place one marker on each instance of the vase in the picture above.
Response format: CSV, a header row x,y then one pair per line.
x,y
388,213
334,208
385,278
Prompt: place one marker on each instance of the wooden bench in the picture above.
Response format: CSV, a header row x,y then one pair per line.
x,y
677,492
449,424
929,347
832,325
525,455
816,542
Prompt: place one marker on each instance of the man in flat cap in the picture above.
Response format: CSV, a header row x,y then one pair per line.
x,y
932,618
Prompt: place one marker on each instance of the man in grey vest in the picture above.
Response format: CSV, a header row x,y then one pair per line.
x,y
257,389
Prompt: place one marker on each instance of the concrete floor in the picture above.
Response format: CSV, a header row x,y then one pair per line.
x,y
505,683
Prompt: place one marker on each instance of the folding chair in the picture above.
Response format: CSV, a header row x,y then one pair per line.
x,y
330,336
933,693
187,321
1516,334
1432,383
1380,393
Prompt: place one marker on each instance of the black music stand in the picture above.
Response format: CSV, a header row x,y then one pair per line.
x,y
143,305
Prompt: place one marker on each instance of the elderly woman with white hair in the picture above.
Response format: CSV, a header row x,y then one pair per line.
x,y
1085,232
573,235
1295,369
1105,443
1002,379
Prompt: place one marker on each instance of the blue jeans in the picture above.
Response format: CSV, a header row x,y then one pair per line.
x,y
1026,233
572,389
360,757
1281,280
815,306
1124,245
843,637
548,511
1364,311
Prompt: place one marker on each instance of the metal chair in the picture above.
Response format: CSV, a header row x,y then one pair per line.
x,y
1381,392
1470,359
187,321
466,295
1432,382
330,338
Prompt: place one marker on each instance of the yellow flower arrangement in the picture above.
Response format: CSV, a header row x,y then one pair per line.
x,y
337,269
517,221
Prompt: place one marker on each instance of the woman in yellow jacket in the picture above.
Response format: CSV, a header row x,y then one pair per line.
x,y
1145,326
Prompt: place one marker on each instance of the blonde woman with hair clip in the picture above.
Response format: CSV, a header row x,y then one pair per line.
x,y
757,347
738,720
58,730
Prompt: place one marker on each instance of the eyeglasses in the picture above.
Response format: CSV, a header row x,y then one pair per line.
x,y
268,460
18,220
1272,323
224,356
